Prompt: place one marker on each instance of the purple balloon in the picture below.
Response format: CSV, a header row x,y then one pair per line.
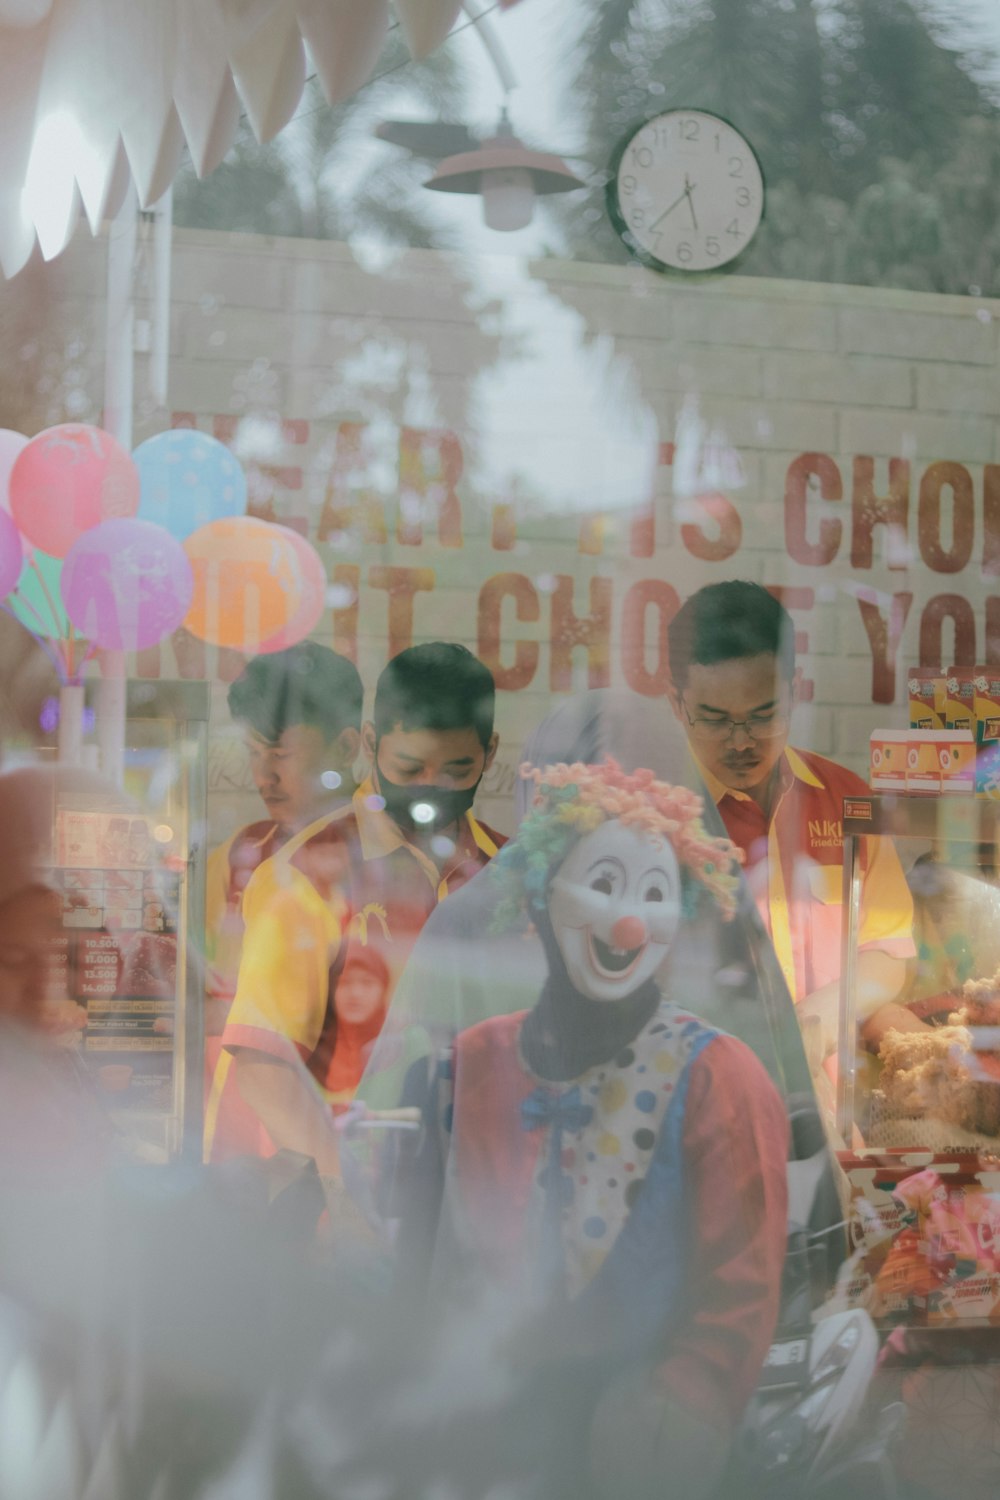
x,y
11,554
126,584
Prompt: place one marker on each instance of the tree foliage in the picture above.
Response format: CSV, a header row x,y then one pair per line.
x,y
306,182
880,144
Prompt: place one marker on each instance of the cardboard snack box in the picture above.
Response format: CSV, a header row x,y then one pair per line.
x,y
927,692
960,698
887,760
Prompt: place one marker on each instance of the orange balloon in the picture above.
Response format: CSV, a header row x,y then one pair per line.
x,y
247,582
312,596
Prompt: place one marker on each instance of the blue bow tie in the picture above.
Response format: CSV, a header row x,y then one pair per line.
x,y
565,1111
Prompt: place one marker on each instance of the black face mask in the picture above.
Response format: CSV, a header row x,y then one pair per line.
x,y
449,803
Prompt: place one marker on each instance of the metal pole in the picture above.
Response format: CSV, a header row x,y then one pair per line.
x,y
119,321
847,1051
487,35
159,363
119,344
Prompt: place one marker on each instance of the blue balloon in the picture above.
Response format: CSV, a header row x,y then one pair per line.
x,y
188,479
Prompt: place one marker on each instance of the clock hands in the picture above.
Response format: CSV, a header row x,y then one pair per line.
x,y
689,187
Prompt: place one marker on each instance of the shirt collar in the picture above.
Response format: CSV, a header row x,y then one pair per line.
x,y
380,835
800,770
792,764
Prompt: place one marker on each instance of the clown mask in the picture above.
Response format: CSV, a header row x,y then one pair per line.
x,y
614,907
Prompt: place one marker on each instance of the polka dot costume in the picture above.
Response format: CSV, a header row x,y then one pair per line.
x,y
604,1164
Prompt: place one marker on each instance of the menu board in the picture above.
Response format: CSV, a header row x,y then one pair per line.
x,y
118,951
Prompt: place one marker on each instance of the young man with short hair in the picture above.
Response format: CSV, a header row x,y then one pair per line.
x,y
300,711
430,742
732,661
363,876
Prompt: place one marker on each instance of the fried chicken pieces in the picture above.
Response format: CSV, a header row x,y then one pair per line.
x,y
944,1072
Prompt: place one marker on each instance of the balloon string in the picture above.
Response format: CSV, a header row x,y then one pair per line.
x,y
55,661
88,655
32,563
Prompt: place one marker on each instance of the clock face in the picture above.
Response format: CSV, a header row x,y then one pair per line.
x,y
688,191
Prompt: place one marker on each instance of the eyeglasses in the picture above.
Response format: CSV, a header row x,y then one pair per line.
x,y
757,727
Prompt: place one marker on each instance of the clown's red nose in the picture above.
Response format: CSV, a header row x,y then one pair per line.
x,y
629,932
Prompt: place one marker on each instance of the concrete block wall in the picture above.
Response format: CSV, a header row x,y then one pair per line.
x,y
558,377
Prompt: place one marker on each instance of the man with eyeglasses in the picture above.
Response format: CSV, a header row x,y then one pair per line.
x,y
732,661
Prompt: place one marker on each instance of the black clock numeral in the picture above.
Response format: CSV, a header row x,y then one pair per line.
x,y
685,253
629,184
690,129
637,217
736,166
735,230
642,156
712,247
743,197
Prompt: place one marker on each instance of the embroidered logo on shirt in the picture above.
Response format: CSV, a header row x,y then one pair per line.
x,y
826,833
367,913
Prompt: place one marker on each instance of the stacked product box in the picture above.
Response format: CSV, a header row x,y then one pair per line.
x,y
953,740
987,706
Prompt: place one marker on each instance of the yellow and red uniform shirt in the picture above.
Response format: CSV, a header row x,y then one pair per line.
x,y
794,868
349,878
227,874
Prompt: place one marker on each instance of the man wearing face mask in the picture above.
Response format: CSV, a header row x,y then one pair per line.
x,y
430,742
362,877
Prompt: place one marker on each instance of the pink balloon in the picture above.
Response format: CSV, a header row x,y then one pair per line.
x,y
11,554
67,480
126,584
11,444
309,611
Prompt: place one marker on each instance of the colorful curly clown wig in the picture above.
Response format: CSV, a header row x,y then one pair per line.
x,y
574,800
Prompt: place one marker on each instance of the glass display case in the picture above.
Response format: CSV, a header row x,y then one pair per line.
x,y
918,1109
130,870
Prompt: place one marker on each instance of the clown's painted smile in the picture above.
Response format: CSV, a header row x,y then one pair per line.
x,y
614,907
613,960
629,941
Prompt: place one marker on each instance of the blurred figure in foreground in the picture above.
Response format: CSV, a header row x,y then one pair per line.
x,y
118,1282
607,1163
50,1118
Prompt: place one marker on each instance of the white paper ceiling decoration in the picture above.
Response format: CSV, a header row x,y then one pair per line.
x,y
95,91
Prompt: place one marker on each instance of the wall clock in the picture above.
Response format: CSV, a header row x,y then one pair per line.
x,y
686,191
